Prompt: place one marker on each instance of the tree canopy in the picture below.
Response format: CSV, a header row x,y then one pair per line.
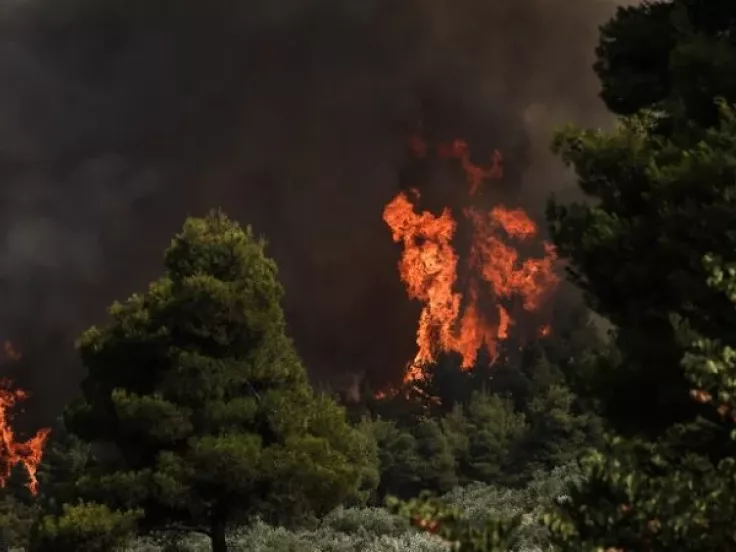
x,y
666,494
675,55
636,249
657,201
198,405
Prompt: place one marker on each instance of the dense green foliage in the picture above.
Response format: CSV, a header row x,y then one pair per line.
x,y
660,200
378,530
199,405
86,528
672,55
660,209
673,304
665,494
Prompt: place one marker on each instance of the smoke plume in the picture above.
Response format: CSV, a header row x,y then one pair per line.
x,y
120,118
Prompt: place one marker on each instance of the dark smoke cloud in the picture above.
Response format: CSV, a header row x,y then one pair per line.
x,y
120,118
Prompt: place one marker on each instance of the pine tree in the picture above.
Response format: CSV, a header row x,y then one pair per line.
x,y
399,460
198,406
485,435
637,253
437,461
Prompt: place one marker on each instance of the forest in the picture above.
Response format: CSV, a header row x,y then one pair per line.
x,y
603,423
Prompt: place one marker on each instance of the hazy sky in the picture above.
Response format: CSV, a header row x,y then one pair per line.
x,y
120,118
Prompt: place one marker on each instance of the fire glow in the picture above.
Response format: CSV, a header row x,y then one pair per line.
x,y
451,320
27,454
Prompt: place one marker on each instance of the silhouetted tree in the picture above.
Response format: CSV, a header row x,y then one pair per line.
x,y
637,253
670,55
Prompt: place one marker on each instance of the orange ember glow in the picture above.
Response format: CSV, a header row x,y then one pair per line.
x,y
29,453
451,320
459,150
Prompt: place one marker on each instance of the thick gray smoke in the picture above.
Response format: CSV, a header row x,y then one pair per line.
x,y
120,118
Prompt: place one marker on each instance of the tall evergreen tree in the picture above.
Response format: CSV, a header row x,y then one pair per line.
x,y
196,401
636,250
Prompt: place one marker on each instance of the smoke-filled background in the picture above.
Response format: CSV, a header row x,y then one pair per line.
x,y
119,118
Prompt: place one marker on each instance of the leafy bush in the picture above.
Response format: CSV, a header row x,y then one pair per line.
x,y
481,504
482,517
85,528
344,530
378,530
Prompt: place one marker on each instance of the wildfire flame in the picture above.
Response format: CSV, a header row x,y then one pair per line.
x,y
12,453
451,320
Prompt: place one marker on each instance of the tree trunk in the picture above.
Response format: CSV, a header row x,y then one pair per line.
x,y
219,544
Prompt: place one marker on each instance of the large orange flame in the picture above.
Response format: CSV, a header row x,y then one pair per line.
x,y
451,320
29,453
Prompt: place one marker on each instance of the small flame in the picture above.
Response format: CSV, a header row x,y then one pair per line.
x,y
29,453
458,149
450,320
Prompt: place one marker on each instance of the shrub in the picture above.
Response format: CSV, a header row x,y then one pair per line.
x,y
85,528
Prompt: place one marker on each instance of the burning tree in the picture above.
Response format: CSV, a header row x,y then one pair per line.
x,y
27,454
14,453
466,315
202,403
